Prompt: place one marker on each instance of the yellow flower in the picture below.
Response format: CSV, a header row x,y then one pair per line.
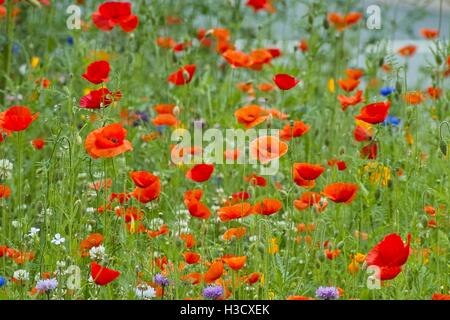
x,y
35,62
331,86
408,136
377,173
273,248
359,257
353,267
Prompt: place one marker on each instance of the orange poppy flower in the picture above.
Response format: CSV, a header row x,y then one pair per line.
x,y
407,51
303,45
214,272
258,58
93,240
163,230
236,211
165,108
340,192
237,59
16,118
192,278
267,148
414,97
299,129
235,263
277,114
374,113
107,142
235,233
191,257
246,87
348,84
308,171
351,100
429,33
188,239
354,73
165,42
440,296
192,196
310,199
331,254
341,22
200,172
165,119
251,115
102,275
143,179
267,207
434,93
266,87
5,191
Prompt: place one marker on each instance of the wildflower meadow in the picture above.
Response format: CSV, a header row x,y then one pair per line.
x,y
224,150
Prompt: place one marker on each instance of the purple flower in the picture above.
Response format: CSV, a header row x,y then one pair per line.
x,y
213,292
160,280
327,293
46,285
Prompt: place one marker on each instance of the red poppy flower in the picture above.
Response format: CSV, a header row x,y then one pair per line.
x,y
341,165
16,118
156,233
97,72
150,192
192,278
107,142
95,99
369,151
299,129
198,210
183,75
407,51
102,275
354,73
200,172
285,81
143,179
258,5
374,113
38,143
267,207
440,296
390,254
234,233
188,239
256,180
114,13
308,171
93,240
5,192
340,192
191,257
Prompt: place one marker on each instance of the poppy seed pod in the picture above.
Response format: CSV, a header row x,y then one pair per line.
x,y
443,147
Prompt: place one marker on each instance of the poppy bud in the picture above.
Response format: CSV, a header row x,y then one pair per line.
x,y
326,25
423,220
398,87
438,59
340,245
443,147
381,62
310,19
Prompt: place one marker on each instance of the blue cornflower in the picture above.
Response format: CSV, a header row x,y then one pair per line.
x,y
69,40
2,282
327,293
160,280
213,292
46,285
385,91
391,120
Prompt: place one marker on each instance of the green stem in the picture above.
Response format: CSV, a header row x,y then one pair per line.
x,y
7,50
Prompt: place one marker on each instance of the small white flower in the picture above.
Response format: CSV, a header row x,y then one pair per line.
x,y
97,253
6,168
16,224
90,210
145,292
34,231
57,239
21,275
